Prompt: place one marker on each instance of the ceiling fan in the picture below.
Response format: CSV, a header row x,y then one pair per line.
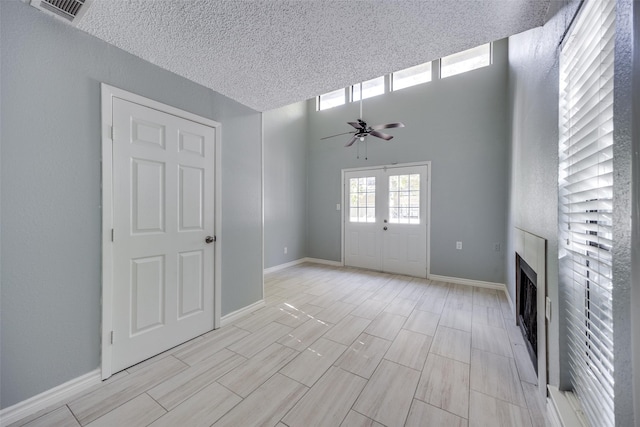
x,y
363,130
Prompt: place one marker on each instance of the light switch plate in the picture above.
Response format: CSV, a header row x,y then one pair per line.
x,y
547,310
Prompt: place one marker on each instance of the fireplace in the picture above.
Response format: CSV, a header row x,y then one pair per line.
x,y
527,297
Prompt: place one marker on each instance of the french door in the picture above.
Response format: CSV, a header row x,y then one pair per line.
x,y
385,219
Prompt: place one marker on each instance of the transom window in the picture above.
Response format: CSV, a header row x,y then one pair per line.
x,y
370,88
411,76
451,65
464,61
362,199
404,199
331,99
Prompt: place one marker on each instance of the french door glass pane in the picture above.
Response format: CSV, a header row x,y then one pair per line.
x,y
404,199
362,199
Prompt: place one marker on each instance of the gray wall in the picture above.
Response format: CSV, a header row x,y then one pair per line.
x,y
635,292
622,214
533,88
460,125
50,193
285,184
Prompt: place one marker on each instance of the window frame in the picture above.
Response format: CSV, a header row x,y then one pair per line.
x,y
443,59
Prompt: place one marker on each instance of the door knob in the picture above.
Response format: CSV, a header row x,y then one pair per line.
x,y
210,239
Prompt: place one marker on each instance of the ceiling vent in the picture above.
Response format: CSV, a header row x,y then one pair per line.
x,y
69,10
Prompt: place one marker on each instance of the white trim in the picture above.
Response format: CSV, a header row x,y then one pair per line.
x,y
512,307
342,214
298,261
235,315
262,197
469,282
389,166
564,408
283,266
217,250
552,413
324,262
51,397
107,94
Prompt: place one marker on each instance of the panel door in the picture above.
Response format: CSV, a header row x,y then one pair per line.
x,y
404,235
163,202
363,244
386,219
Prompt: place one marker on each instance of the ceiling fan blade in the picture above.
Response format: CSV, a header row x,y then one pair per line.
x,y
343,133
356,125
388,126
384,136
350,143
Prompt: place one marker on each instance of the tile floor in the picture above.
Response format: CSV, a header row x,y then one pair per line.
x,y
332,347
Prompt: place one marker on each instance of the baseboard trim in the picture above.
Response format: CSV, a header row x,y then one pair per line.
x,y
552,413
235,315
283,266
324,262
564,409
300,261
512,307
49,398
469,282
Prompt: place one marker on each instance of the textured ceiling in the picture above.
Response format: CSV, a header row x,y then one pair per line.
x,y
270,53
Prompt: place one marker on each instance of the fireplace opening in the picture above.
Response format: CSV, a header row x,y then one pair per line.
x,y
526,284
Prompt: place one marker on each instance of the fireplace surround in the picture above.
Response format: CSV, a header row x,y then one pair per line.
x,y
530,261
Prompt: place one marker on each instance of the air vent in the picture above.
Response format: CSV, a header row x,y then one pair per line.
x,y
69,10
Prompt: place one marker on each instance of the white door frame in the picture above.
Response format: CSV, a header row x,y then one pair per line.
x,y
108,93
345,210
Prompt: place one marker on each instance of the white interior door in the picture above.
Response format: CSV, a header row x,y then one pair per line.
x,y
385,220
163,212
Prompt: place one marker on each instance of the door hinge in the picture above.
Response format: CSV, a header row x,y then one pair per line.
x,y
111,132
112,234
111,337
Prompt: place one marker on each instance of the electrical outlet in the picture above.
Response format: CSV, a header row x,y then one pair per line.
x,y
459,246
496,247
338,206
285,250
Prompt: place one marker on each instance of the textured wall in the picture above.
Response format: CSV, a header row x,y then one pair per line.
x,y
622,197
285,184
533,88
635,219
458,123
50,193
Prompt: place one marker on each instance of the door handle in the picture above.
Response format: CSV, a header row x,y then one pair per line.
x,y
210,239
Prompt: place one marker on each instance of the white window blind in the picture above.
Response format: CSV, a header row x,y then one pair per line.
x,y
586,192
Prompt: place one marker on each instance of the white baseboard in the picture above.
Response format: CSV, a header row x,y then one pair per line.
x,y
469,282
511,305
49,398
564,409
300,261
552,413
283,266
324,262
235,315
